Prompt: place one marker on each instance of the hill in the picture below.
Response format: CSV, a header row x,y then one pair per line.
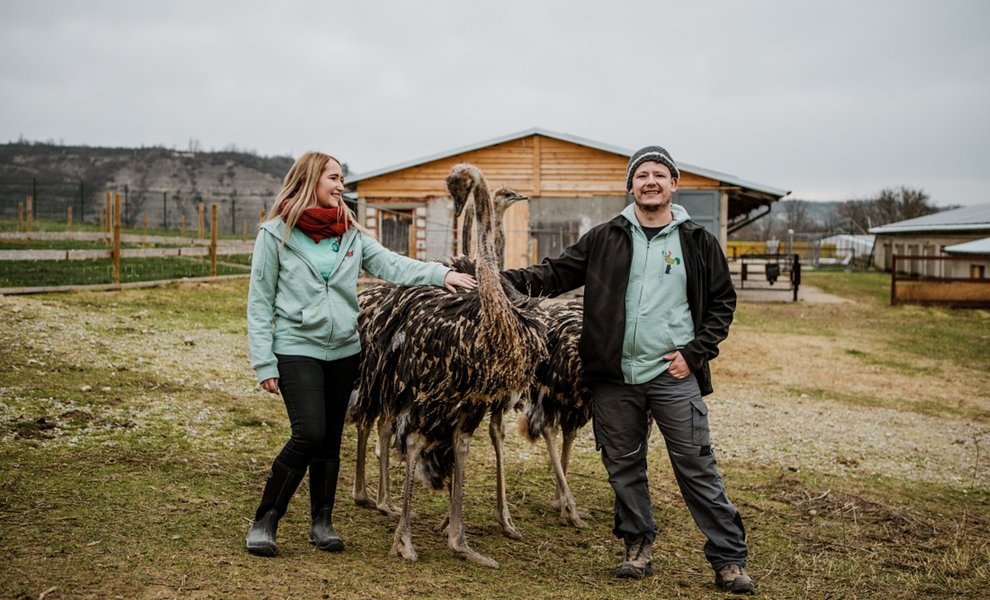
x,y
160,182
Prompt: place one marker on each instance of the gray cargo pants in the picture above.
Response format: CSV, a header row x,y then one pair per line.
x,y
621,434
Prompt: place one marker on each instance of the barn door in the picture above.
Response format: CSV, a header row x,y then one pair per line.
x,y
396,230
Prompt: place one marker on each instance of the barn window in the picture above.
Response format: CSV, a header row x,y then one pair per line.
x,y
396,230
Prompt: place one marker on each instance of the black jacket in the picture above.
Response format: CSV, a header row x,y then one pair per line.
x,y
600,261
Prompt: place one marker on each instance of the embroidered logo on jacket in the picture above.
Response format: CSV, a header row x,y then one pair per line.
x,y
670,260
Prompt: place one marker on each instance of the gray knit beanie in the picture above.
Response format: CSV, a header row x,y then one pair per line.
x,y
650,153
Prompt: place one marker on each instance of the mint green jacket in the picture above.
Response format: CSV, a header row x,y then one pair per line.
x,y
292,310
658,317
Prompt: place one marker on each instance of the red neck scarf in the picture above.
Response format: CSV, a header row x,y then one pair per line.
x,y
320,223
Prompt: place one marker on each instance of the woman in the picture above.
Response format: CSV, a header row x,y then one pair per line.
x,y
302,331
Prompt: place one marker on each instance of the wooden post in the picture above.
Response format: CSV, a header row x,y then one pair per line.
x,y
213,240
145,228
182,226
20,216
202,220
537,163
893,279
107,224
115,252
30,213
68,221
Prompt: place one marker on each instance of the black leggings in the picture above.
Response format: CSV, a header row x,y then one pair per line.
x,y
316,393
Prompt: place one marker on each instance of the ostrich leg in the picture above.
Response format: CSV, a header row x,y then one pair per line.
x,y
496,431
402,544
565,460
455,531
385,433
568,509
360,492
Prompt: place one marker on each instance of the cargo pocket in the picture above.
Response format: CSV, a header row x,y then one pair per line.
x,y
700,434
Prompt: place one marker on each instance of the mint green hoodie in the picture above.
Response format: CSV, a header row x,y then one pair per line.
x,y
658,318
292,309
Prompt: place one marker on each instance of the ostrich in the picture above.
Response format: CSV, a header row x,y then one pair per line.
x,y
445,360
504,198
375,306
559,401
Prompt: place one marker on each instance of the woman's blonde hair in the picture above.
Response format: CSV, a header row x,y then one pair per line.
x,y
299,193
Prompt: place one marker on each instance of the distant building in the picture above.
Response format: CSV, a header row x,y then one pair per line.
x,y
978,254
845,248
573,184
938,234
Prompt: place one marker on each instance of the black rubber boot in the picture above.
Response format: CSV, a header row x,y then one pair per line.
x,y
322,490
281,485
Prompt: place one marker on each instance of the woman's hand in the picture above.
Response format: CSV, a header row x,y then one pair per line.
x,y
270,385
455,279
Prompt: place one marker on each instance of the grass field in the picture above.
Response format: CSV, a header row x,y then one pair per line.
x,y
134,446
32,273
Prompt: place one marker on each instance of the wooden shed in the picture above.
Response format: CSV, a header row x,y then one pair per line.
x,y
573,184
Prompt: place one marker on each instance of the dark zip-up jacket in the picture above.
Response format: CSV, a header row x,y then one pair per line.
x,y
600,261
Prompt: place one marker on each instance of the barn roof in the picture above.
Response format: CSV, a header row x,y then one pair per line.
x,y
974,247
573,139
967,218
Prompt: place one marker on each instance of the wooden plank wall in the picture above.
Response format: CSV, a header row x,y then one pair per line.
x,y
536,165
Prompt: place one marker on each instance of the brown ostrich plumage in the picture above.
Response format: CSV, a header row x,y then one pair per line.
x,y
376,305
559,401
443,360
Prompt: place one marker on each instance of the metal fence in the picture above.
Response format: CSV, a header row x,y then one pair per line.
x,y
164,209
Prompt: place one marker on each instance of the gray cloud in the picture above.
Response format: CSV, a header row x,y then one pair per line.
x,y
831,100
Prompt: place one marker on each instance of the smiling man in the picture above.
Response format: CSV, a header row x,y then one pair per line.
x,y
671,278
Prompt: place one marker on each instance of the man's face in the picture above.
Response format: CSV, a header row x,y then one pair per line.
x,y
653,187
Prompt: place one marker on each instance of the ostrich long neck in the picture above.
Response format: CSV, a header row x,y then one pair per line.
x,y
483,212
494,303
467,226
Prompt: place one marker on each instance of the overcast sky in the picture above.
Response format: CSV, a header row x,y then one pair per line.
x,y
832,100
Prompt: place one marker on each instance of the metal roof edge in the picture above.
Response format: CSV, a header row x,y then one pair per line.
x,y
974,247
566,137
884,229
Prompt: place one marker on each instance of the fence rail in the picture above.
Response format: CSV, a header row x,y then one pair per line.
x,y
951,281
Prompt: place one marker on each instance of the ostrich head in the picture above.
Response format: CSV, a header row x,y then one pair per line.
x,y
504,198
460,183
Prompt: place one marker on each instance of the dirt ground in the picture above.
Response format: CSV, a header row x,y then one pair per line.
x,y
817,405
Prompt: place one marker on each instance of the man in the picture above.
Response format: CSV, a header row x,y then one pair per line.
x,y
658,300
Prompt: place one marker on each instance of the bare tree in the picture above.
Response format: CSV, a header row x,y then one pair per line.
x,y
888,206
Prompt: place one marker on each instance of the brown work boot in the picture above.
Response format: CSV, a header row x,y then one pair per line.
x,y
733,578
639,559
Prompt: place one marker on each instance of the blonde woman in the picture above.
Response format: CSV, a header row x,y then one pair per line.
x,y
302,320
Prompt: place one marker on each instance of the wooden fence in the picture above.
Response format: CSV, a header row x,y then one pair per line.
x,y
938,281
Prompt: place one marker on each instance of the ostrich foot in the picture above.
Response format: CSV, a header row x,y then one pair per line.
x,y
389,510
569,513
402,546
510,531
572,518
361,498
470,555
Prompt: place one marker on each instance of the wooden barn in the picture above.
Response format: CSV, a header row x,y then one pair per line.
x,y
573,184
